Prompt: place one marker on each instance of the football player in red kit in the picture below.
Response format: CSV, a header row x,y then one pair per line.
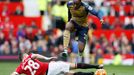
x,y
30,65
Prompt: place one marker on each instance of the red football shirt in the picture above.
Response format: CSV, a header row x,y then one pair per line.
x,y
32,67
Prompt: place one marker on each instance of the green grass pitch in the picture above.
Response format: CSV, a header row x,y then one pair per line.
x,y
7,67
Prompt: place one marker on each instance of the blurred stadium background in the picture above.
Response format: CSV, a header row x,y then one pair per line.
x,y
37,26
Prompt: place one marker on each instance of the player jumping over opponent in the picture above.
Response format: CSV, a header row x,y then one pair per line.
x,y
77,21
30,65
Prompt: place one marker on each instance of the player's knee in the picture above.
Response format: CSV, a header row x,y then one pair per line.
x,y
81,47
69,26
81,50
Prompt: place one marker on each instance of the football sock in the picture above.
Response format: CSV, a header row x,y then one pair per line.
x,y
86,66
66,39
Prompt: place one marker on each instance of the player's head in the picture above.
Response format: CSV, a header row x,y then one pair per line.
x,y
76,1
22,56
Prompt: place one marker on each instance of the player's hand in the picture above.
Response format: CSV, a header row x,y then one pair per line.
x,y
14,73
102,21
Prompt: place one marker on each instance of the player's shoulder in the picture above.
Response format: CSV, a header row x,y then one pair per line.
x,y
85,4
69,3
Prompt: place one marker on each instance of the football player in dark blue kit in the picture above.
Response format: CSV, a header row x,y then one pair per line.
x,y
77,21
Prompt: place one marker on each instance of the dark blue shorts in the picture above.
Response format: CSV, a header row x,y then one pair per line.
x,y
81,32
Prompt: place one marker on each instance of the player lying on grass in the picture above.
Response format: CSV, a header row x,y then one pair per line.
x,y
77,21
30,65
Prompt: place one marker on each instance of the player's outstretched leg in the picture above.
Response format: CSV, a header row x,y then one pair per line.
x,y
88,66
82,73
66,39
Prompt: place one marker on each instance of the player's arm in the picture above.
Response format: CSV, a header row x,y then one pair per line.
x,y
93,11
38,56
15,73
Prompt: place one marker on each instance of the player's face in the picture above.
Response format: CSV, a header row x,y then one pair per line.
x,y
77,1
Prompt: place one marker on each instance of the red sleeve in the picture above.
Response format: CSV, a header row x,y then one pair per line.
x,y
30,55
19,69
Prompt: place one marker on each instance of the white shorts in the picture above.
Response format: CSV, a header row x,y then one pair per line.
x,y
58,68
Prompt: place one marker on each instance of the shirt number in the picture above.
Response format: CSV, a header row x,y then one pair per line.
x,y
32,67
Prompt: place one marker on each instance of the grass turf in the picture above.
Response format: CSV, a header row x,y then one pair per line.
x,y
7,67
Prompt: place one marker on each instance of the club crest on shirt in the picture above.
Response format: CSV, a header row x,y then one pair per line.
x,y
90,8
